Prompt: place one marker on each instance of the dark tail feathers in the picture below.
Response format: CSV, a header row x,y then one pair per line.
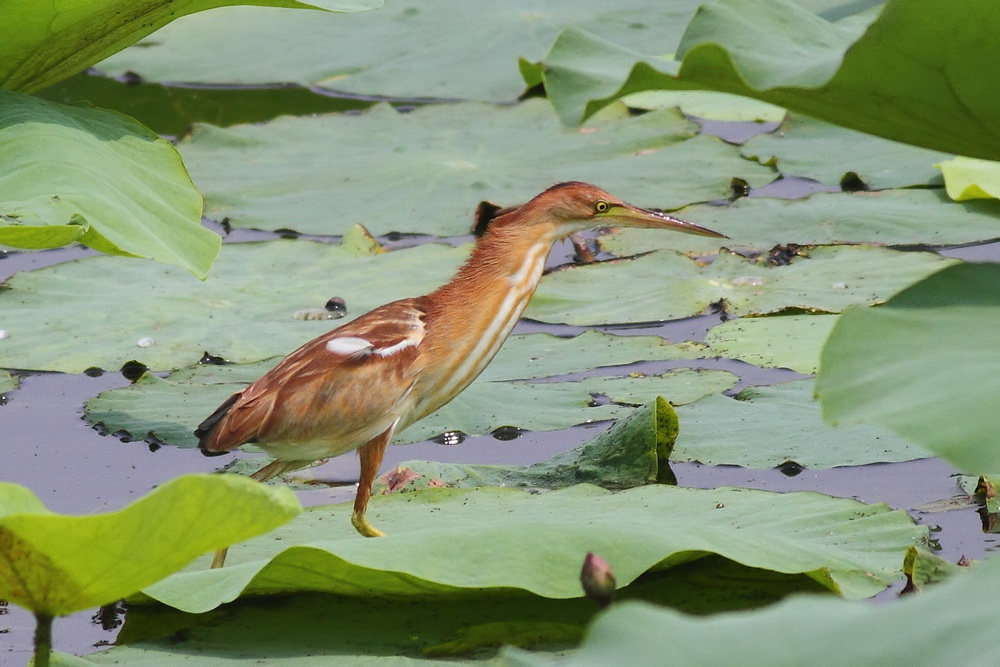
x,y
205,428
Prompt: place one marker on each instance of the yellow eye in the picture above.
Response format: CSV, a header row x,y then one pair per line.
x,y
601,206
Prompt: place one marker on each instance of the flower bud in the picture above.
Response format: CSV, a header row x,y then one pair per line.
x,y
598,580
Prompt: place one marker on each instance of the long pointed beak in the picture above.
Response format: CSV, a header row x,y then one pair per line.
x,y
633,216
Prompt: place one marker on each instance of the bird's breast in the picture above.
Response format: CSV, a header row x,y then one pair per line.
x,y
466,337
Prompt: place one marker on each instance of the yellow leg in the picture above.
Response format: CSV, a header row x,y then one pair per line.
x,y
371,454
267,472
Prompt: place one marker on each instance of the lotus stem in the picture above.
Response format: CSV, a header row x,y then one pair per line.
x,y
43,639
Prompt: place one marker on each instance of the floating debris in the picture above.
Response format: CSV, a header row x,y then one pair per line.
x,y
749,281
315,314
146,341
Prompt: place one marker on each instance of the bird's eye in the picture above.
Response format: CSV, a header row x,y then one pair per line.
x,y
601,206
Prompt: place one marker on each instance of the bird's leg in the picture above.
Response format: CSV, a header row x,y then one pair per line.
x,y
267,472
371,458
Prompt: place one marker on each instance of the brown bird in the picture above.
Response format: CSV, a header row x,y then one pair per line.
x,y
356,386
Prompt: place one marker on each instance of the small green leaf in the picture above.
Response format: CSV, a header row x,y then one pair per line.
x,y
968,178
633,452
924,365
56,564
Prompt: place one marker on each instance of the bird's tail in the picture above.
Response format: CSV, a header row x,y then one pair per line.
x,y
205,429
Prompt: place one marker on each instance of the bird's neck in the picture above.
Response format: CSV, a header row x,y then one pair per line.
x,y
500,275
469,318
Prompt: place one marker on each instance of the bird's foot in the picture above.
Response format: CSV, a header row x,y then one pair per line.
x,y
360,523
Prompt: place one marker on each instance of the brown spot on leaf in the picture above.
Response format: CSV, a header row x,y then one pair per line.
x,y
397,478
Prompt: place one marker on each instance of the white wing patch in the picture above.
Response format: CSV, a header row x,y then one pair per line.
x,y
349,346
352,346
401,345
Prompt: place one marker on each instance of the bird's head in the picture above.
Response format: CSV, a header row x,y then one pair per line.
x,y
574,206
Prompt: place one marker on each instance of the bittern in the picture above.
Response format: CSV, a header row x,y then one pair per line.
x,y
356,386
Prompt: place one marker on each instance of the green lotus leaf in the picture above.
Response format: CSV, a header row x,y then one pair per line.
x,y
858,72
912,631
168,409
43,43
826,279
967,178
56,564
826,153
402,50
923,365
100,178
889,217
536,543
633,452
719,430
786,341
425,171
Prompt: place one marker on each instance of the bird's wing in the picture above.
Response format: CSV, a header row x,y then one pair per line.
x,y
337,386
